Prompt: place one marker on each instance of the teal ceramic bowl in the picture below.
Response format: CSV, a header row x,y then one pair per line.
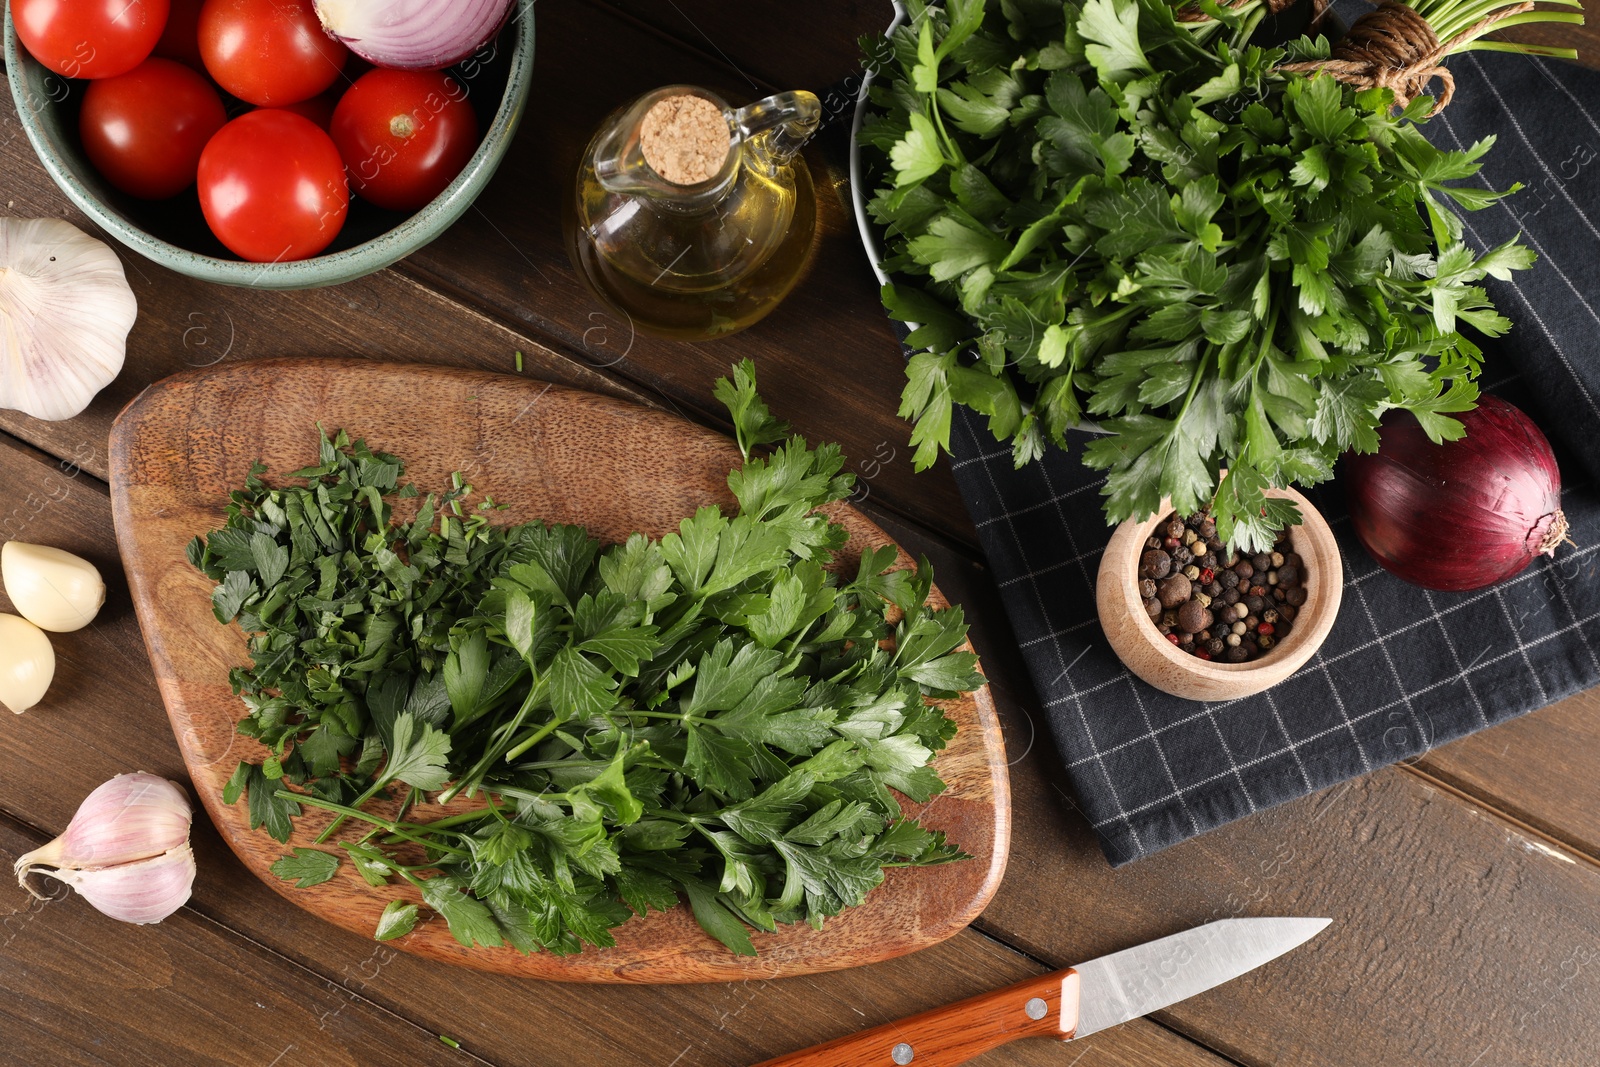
x,y
173,232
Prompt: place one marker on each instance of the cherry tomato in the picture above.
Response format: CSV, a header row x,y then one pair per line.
x,y
272,187
89,38
145,130
268,52
404,135
181,39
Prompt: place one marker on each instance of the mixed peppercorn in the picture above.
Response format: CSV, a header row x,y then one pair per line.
x,y
1232,611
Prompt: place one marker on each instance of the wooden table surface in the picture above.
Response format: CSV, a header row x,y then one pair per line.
x,y
1464,885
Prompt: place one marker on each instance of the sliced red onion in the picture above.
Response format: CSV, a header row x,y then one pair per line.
x,y
413,34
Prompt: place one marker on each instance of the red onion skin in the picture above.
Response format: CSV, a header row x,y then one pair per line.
x,y
1462,515
383,53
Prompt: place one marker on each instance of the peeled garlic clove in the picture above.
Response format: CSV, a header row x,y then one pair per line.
x,y
65,312
27,663
131,817
143,892
52,589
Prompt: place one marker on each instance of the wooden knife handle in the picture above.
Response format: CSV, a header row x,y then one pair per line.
x,y
953,1034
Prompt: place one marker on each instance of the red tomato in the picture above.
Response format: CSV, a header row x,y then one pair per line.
x,y
272,187
404,135
145,130
181,39
268,52
89,38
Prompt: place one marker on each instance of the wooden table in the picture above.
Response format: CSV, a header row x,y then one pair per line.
x,y
1463,885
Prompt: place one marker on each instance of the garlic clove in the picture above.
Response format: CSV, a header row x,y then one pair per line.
x,y
27,663
52,589
143,892
132,817
66,308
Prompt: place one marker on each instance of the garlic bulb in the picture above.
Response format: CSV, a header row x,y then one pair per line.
x,y
27,663
143,892
52,589
65,312
131,817
126,850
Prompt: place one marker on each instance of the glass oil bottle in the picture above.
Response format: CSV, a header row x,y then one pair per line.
x,y
692,217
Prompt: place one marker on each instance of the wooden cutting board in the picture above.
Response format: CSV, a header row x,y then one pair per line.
x,y
549,453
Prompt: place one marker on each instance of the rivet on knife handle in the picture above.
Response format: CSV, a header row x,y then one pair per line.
x,y
1046,1006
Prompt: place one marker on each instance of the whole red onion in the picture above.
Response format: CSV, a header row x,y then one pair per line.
x,y
1461,515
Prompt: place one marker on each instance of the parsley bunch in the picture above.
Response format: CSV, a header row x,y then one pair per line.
x,y
1095,210
715,714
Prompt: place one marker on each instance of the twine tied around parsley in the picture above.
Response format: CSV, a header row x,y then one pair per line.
x,y
1395,48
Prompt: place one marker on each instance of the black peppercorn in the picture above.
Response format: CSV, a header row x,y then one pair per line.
x,y
1238,653
1296,596
1262,562
1216,646
1288,574
1256,604
1175,528
1152,607
1244,570
1229,579
1147,588
1182,556
1230,596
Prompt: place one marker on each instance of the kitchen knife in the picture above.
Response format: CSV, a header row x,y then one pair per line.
x,y
1069,1004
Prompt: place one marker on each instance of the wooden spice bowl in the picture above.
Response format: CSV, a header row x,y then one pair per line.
x,y
1150,656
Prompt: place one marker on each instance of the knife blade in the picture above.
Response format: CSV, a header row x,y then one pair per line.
x,y
1072,1003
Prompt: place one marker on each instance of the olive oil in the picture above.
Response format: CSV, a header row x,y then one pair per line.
x,y
699,259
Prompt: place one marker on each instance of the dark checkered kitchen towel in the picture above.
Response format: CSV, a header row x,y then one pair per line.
x,y
1404,669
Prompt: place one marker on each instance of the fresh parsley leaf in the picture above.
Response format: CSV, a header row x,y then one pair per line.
x,y
753,424
398,920
418,754
1112,29
470,921
307,867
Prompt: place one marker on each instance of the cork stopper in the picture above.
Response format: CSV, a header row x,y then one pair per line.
x,y
685,139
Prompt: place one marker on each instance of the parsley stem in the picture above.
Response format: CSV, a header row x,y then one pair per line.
x,y
453,820
533,739
474,777
959,160
345,811
372,791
